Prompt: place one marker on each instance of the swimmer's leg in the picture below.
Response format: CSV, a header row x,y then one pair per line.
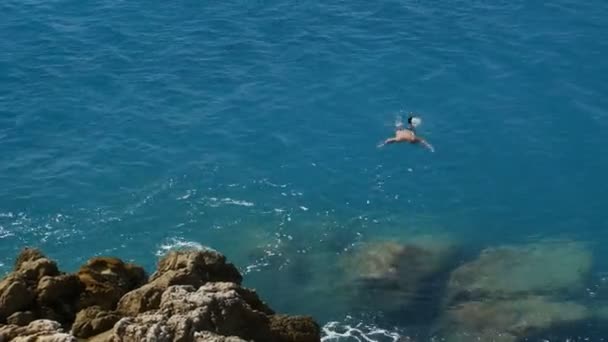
x,y
425,144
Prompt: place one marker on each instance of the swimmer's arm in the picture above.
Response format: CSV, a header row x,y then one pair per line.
x,y
387,141
425,144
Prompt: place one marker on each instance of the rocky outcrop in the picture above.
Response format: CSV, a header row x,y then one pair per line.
x,y
192,296
39,331
192,268
93,321
106,280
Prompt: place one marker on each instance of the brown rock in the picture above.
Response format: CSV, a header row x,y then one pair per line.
x,y
215,307
105,336
144,327
34,270
27,254
21,318
56,314
92,321
39,330
106,280
294,329
195,268
207,336
14,295
60,289
140,300
192,268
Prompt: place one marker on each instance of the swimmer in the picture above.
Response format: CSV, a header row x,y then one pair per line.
x,y
408,134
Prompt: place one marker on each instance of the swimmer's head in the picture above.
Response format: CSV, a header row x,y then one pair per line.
x,y
414,121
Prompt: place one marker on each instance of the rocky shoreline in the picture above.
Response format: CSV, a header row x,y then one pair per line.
x,y
192,296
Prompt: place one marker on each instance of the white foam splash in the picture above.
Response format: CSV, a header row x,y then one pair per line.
x,y
216,202
229,200
336,331
178,243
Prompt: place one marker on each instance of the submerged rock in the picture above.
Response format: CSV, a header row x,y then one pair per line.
x,y
508,320
515,271
391,276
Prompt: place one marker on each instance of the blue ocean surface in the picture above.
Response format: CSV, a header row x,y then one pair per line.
x,y
131,128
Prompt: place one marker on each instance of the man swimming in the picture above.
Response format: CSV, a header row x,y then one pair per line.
x,y
408,134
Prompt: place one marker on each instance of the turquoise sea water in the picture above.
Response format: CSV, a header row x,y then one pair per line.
x,y
130,128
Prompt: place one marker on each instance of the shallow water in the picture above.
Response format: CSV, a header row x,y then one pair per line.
x,y
251,127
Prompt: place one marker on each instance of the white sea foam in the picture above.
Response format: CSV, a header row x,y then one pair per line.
x,y
336,331
179,243
216,202
228,200
4,233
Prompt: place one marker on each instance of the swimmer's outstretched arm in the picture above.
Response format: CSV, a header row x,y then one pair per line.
x,y
388,141
425,144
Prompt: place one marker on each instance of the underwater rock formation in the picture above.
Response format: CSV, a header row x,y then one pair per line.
x,y
551,268
390,276
192,296
513,320
513,293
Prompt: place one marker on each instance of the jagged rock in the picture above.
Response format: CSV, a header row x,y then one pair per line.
x,y
195,268
34,270
216,307
58,314
140,300
179,268
144,327
105,336
27,254
21,318
14,295
216,311
221,308
92,321
294,328
206,336
515,271
106,280
39,330
64,288
508,320
390,276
